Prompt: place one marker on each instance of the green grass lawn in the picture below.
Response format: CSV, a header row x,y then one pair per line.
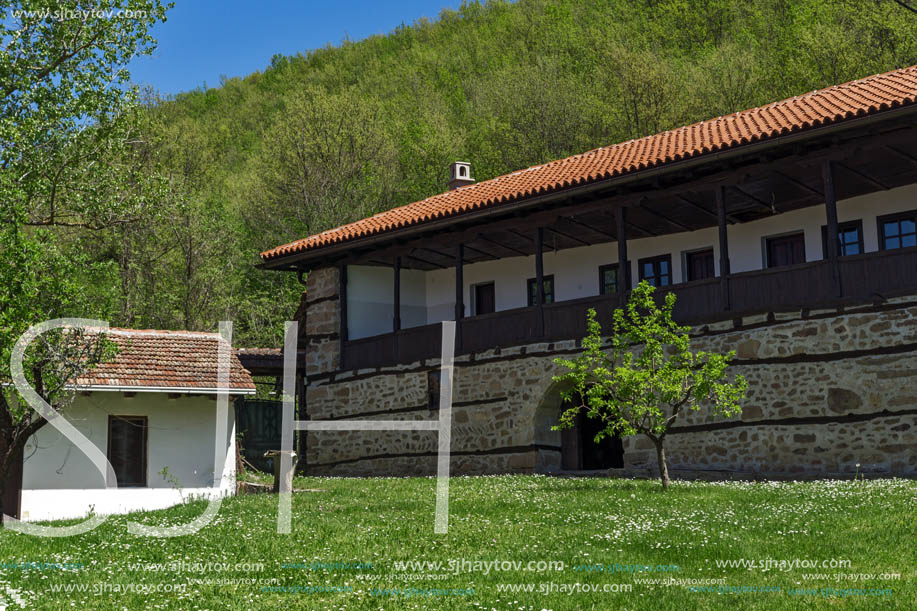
x,y
595,521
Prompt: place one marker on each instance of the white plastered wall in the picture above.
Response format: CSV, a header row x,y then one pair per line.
x,y
60,482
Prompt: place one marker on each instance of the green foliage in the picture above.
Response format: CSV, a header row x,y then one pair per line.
x,y
68,168
648,375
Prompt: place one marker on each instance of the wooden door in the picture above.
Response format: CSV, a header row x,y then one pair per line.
x,y
699,264
485,300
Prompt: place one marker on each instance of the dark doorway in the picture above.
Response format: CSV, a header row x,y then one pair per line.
x,y
699,264
127,449
580,452
607,454
484,299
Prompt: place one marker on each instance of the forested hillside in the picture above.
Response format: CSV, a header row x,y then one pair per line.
x,y
338,133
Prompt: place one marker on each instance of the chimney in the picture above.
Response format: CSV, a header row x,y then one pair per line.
x,y
459,175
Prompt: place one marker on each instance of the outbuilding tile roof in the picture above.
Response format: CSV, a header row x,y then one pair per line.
x,y
817,108
172,360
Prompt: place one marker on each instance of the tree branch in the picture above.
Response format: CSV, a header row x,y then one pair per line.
x,y
904,4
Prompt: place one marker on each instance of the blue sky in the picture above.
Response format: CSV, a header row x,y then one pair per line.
x,y
204,39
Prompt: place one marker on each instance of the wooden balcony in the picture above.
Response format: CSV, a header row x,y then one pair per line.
x,y
819,284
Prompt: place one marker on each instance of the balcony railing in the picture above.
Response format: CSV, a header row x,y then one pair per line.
x,y
819,284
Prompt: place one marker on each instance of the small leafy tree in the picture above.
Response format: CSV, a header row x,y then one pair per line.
x,y
648,376
68,125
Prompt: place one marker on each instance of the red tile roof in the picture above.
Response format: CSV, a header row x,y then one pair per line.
x,y
832,105
170,361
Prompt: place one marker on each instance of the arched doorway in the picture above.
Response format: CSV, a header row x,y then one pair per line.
x,y
572,449
580,452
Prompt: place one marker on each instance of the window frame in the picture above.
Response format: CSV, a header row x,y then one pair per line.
x,y
145,450
602,270
858,223
765,250
897,216
474,296
657,259
686,267
529,283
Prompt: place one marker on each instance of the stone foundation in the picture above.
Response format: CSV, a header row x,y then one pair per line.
x,y
827,391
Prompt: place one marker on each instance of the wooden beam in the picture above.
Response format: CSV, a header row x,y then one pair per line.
x,y
589,227
830,208
906,156
539,280
396,308
433,251
646,209
623,264
724,244
519,235
832,230
484,238
459,293
798,183
865,177
425,261
481,252
697,207
642,230
342,307
569,237
760,202
459,282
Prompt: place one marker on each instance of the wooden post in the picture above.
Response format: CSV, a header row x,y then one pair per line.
x,y
724,245
302,413
830,208
832,231
342,310
459,294
539,281
396,308
623,263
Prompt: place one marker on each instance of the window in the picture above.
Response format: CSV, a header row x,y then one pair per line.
x,y
898,230
785,250
485,301
849,238
532,290
608,279
656,270
127,449
699,264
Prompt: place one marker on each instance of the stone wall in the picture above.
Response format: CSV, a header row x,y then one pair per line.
x,y
828,390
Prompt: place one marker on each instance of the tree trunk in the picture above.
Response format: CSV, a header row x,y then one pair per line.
x,y
11,457
663,467
10,481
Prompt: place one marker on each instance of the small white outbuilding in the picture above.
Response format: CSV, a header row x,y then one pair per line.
x,y
152,411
